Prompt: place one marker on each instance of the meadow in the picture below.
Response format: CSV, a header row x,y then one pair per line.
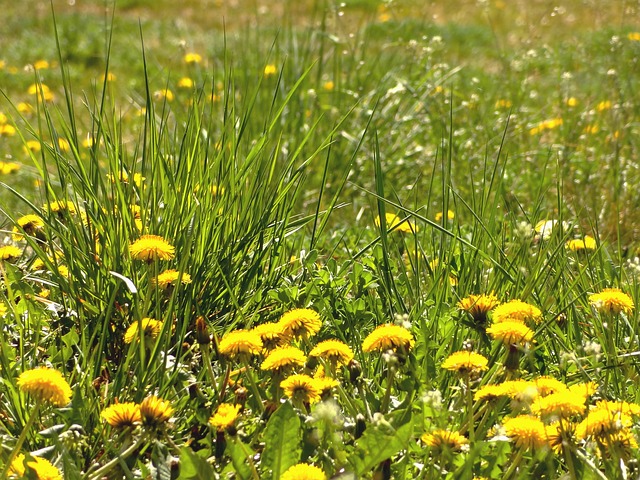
x,y
319,240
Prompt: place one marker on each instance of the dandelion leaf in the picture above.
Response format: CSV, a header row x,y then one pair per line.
x,y
282,440
378,443
192,467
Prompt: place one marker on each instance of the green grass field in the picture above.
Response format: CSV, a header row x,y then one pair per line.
x,y
322,240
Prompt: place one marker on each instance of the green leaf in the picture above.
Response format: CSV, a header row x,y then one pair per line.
x,y
282,440
192,467
239,454
378,443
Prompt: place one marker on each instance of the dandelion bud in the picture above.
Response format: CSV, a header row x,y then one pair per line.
x,y
202,332
361,425
240,396
355,370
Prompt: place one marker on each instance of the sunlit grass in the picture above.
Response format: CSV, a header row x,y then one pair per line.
x,y
370,240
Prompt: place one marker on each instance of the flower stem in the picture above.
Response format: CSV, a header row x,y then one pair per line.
x,y
514,465
387,394
98,474
254,387
21,438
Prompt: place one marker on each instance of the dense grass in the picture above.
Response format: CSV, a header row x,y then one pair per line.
x,y
268,164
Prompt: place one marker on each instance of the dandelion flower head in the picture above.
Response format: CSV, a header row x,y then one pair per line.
x,y
303,471
240,343
284,359
45,384
516,310
151,247
612,300
526,431
41,468
444,439
155,411
300,322
225,416
465,362
9,252
478,306
510,332
301,387
122,415
334,351
150,330
30,224
388,337
394,222
271,334
170,278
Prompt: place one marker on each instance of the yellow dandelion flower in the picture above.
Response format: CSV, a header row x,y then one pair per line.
x,y
325,384
150,248
478,306
225,416
284,359
510,333
170,278
46,385
634,36
7,168
560,404
41,64
612,300
192,57
465,362
164,94
516,310
10,252
522,392
122,415
301,388
109,77
24,108
64,145
328,85
150,330
32,146
42,92
395,223
334,351
619,406
32,225
503,103
601,422
623,440
571,102
270,70
155,411
271,334
185,82
3,309
588,243
303,471
240,343
490,392
526,431
444,439
584,389
603,105
559,434
548,385
38,467
300,322
450,215
61,207
388,337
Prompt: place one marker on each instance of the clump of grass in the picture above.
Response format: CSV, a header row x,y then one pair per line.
x,y
189,267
